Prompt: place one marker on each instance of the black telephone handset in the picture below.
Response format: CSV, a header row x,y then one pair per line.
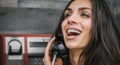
x,y
59,48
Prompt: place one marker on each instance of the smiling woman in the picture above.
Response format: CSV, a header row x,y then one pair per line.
x,y
77,20
89,33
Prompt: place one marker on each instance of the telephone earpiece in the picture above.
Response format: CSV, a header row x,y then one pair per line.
x,y
59,47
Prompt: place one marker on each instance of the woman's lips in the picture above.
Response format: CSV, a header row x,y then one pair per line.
x,y
72,33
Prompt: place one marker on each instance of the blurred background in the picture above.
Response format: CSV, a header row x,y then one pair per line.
x,y
30,16
26,27
37,16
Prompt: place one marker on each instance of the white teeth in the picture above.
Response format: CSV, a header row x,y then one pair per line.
x,y
73,31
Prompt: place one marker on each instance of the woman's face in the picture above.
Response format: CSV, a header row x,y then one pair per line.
x,y
77,24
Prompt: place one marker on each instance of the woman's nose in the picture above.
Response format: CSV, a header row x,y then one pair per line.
x,y
72,19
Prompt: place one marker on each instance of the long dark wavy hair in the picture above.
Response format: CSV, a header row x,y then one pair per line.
x,y
104,45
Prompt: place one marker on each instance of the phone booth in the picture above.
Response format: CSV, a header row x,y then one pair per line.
x,y
23,49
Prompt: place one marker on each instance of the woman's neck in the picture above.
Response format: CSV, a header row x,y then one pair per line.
x,y
74,56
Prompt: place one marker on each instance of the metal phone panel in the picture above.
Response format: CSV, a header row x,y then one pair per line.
x,y
36,45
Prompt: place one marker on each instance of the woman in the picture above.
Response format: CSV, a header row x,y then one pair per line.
x,y
89,34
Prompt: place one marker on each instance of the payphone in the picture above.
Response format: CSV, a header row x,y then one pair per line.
x,y
14,47
23,49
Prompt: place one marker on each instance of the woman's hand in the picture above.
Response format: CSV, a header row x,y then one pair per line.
x,y
47,57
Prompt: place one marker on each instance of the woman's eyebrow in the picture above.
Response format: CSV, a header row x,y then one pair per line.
x,y
68,9
83,8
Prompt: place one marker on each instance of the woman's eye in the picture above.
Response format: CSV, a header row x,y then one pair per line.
x,y
66,15
85,15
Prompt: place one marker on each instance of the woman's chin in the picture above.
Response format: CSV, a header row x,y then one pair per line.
x,y
71,46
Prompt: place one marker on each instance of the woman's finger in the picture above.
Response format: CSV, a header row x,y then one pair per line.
x,y
47,50
47,58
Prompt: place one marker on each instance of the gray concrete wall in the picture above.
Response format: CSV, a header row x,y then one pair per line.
x,y
28,20
16,18
8,3
30,16
52,4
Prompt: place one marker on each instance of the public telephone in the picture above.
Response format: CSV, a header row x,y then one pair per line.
x,y
23,49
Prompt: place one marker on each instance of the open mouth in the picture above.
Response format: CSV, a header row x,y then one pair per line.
x,y
73,32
